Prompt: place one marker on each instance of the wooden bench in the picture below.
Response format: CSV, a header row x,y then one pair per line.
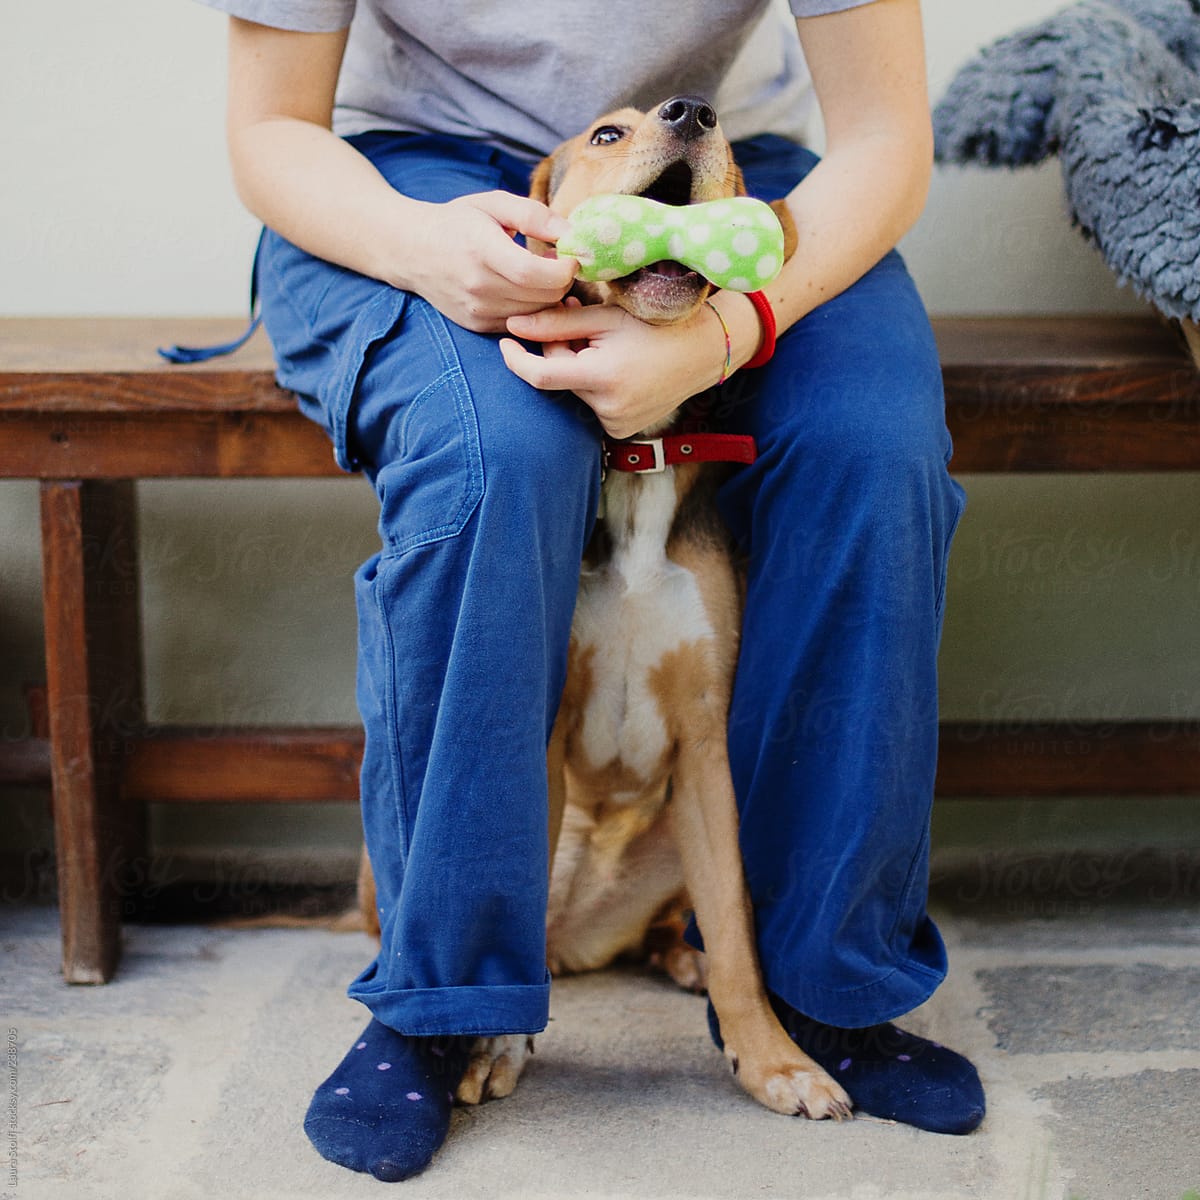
x,y
87,408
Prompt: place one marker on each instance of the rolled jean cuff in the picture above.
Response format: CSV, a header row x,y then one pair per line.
x,y
445,1011
901,990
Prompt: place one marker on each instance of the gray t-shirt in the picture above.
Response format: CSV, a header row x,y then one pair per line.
x,y
527,75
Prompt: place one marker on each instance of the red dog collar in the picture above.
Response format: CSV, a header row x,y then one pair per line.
x,y
656,454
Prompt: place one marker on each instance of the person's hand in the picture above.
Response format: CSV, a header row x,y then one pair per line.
x,y
629,373
473,271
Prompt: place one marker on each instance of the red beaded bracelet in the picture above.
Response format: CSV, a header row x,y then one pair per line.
x,y
766,314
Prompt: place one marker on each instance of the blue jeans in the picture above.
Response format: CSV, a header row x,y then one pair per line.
x,y
488,491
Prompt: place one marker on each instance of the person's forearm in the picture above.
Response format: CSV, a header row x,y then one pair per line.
x,y
321,194
293,172
849,212
868,69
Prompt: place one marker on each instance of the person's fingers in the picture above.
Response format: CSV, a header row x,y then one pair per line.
x,y
566,323
559,371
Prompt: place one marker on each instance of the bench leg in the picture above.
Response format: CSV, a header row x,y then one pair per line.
x,y
94,693
1191,335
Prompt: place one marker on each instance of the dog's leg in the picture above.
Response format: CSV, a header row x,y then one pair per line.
x,y
365,898
665,944
495,1066
621,876
766,1061
556,783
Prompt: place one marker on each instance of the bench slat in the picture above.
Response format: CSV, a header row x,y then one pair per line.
x,y
1068,758
226,445
988,437
302,765
24,761
267,765
123,345
1069,342
1028,421
91,400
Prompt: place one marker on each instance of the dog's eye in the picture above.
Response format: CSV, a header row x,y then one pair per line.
x,y
606,135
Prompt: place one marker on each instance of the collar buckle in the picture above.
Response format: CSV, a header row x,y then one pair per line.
x,y
645,456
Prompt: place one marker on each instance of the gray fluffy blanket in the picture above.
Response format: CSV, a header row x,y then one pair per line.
x,y
1113,89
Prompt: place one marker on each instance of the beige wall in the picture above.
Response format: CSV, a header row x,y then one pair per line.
x,y
116,196
1068,596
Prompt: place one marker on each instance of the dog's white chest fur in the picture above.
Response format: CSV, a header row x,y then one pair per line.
x,y
633,611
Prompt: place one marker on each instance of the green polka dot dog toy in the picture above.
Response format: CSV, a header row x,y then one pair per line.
x,y
736,243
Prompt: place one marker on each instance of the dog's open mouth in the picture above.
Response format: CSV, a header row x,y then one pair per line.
x,y
667,284
663,291
666,268
673,186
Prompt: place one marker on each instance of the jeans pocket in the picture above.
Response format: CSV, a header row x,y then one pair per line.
x,y
429,478
338,392
323,322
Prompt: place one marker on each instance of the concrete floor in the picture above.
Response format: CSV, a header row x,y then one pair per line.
x,y
187,1077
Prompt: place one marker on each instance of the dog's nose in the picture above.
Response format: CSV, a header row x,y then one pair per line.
x,y
688,116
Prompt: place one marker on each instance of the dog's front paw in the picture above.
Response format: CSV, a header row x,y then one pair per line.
x,y
792,1084
806,1092
685,965
495,1066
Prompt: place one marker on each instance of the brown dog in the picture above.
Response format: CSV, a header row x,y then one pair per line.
x,y
638,768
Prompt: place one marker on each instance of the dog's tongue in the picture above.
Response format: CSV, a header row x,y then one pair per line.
x,y
670,268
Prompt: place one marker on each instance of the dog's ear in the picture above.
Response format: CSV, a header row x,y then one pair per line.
x,y
542,185
541,182
790,237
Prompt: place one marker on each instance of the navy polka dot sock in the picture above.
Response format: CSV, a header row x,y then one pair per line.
x,y
386,1109
887,1072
